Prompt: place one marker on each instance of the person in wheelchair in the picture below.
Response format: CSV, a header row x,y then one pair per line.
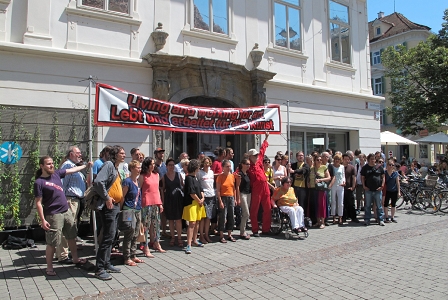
x,y
285,199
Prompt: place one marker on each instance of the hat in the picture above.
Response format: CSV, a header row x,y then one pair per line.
x,y
253,152
159,150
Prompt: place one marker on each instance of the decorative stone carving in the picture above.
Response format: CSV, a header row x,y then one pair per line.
x,y
159,37
256,55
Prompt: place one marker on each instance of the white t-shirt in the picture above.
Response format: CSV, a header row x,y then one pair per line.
x,y
206,180
339,175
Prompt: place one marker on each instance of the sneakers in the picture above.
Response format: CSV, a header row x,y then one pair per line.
x,y
366,223
387,221
382,223
103,275
188,249
393,220
358,212
112,269
256,234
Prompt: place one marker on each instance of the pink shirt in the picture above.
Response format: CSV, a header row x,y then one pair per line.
x,y
150,190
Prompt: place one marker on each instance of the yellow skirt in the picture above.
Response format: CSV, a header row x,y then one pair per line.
x,y
194,212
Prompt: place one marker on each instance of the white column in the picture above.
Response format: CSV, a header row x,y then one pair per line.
x,y
38,23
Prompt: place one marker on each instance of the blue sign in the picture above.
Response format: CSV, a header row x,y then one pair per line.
x,y
10,152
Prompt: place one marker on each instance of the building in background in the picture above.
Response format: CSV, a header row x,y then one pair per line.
x,y
393,30
219,53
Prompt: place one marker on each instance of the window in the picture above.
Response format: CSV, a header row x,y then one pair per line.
x,y
211,15
378,86
120,6
339,32
378,30
287,24
376,57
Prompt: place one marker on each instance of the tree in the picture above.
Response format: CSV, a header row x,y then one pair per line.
x,y
419,80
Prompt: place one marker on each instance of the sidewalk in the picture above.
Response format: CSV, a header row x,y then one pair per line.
x,y
405,260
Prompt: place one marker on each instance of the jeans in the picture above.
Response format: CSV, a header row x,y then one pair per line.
x,y
369,197
108,219
226,216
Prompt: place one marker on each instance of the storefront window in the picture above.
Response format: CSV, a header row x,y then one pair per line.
x,y
315,142
337,142
296,143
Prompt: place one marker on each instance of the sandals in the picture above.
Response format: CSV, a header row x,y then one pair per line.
x,y
230,238
245,237
130,263
223,240
322,226
159,248
50,273
172,241
148,254
180,242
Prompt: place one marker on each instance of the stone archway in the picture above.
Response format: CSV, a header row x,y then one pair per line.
x,y
176,78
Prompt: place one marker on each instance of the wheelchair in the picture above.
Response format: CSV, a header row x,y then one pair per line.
x,y
280,222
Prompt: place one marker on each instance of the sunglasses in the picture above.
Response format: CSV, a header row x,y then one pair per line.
x,y
319,159
391,165
380,161
266,162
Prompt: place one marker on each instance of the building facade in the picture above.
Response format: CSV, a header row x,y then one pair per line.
x,y
386,31
312,54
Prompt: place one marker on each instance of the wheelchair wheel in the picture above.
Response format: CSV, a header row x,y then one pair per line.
x,y
276,221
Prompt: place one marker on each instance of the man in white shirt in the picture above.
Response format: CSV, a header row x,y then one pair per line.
x,y
359,188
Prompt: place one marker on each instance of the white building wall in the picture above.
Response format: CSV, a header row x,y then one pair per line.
x,y
42,66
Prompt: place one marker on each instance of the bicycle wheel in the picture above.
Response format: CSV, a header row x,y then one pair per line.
x,y
419,201
443,201
402,199
426,201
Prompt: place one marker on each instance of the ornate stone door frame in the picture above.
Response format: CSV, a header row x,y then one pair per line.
x,y
179,77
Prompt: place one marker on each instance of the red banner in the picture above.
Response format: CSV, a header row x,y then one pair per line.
x,y
117,107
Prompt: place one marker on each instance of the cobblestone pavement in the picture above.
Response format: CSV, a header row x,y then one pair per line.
x,y
406,260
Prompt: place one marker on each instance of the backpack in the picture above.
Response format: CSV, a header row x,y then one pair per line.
x,y
14,243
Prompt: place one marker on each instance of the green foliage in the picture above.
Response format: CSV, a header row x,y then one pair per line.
x,y
419,80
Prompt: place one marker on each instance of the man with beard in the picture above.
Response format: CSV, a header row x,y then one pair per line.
x,y
53,209
74,186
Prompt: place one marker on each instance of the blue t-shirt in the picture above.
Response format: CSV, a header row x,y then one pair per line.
x,y
391,181
132,194
52,194
97,166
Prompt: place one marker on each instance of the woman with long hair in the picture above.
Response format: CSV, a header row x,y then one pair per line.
x,y
279,170
319,173
172,185
151,204
194,210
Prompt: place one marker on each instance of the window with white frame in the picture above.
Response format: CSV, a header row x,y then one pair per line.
x,y
287,27
340,45
119,6
376,57
378,86
211,15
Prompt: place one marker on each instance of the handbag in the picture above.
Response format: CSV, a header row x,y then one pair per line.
x,y
321,185
92,200
126,220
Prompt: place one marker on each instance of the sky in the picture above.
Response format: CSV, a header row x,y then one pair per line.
x,y
424,12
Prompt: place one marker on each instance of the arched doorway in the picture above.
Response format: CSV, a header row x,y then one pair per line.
x,y
193,143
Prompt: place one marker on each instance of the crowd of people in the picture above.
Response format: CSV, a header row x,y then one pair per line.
x,y
201,197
